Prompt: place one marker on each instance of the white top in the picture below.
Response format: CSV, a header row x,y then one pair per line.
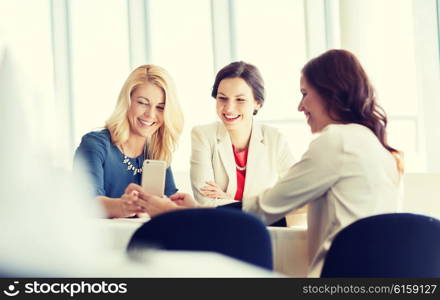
x,y
345,175
212,159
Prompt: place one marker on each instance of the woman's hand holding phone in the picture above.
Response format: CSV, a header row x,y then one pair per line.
x,y
155,205
130,204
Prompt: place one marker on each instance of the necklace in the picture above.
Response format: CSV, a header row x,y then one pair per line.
x,y
240,168
127,161
130,166
240,156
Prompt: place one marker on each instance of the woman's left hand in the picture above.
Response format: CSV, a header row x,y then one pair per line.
x,y
212,190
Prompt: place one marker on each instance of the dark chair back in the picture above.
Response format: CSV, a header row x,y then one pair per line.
x,y
226,231
239,205
388,245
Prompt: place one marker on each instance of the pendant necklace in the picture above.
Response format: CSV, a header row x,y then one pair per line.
x,y
240,168
126,160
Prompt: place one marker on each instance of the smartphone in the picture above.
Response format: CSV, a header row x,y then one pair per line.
x,y
153,177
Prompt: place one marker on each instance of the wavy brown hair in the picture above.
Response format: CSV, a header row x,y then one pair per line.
x,y
348,95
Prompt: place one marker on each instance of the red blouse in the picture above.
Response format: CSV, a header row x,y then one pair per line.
x,y
241,161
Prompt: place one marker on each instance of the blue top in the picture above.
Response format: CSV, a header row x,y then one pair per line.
x,y
104,163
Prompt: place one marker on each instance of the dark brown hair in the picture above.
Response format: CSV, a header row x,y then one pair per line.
x,y
248,73
348,95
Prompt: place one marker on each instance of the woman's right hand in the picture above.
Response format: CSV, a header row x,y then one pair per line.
x,y
212,190
184,200
129,205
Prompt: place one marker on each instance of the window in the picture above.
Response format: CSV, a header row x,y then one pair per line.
x,y
396,40
386,39
29,37
181,43
100,60
271,35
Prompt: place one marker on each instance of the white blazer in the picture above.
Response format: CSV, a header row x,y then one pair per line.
x,y
212,159
346,174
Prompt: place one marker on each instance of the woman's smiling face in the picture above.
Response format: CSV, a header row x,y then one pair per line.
x,y
145,114
313,107
235,102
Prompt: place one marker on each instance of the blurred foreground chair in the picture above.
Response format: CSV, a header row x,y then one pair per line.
x,y
388,245
227,231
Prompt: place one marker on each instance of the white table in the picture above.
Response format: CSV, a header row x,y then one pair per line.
x,y
289,244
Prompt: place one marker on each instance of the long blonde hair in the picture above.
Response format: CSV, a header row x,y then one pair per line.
x,y
164,141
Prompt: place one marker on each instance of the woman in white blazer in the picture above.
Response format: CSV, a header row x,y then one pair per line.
x,y
349,171
213,160
236,159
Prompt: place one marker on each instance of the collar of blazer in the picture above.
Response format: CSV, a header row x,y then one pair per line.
x,y
256,150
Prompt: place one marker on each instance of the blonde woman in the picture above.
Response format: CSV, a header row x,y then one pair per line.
x,y
146,123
